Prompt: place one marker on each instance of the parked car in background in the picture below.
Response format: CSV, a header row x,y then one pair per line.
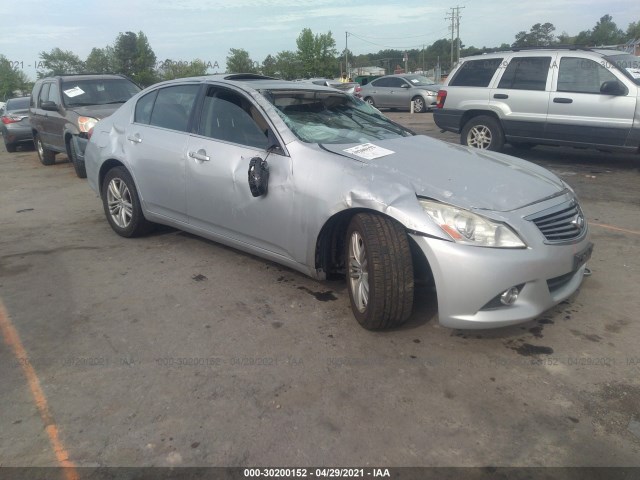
x,y
64,109
398,91
557,96
352,88
319,181
15,123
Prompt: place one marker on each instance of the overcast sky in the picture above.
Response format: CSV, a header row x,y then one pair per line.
x,y
207,29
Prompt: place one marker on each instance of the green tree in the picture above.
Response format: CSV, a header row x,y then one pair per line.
x,y
540,35
60,62
317,54
288,65
169,69
269,66
606,32
633,32
12,81
100,60
238,61
134,57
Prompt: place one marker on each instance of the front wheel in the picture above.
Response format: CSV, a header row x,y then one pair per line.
x,y
419,105
47,157
380,271
370,101
122,205
483,132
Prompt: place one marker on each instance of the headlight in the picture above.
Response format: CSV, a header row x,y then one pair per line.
x,y
471,229
86,123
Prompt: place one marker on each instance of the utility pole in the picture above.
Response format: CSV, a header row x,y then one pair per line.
x,y
346,55
458,31
454,16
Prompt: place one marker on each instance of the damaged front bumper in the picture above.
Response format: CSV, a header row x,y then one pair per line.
x,y
470,280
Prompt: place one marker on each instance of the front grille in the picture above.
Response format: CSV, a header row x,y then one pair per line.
x,y
562,223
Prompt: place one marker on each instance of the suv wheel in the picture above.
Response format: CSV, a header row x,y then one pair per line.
x,y
419,104
47,157
483,132
78,165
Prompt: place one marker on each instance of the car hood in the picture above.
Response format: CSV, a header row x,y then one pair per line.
x,y
96,111
460,176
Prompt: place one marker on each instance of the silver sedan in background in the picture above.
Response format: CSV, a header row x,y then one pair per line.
x,y
398,91
321,182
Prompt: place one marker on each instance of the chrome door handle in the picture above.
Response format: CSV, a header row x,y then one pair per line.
x,y
200,155
134,138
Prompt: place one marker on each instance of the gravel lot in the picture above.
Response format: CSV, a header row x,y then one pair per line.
x,y
171,350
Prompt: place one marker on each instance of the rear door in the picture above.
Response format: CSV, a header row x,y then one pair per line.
x,y
522,95
579,113
156,146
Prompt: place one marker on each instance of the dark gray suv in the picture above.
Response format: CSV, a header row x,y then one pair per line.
x,y
64,109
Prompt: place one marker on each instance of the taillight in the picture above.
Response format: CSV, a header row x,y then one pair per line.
x,y
7,119
440,99
357,90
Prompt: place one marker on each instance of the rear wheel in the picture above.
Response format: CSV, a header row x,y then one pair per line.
x,y
483,132
78,165
11,147
122,205
419,104
380,271
47,157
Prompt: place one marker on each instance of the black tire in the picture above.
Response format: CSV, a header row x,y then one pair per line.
x,y
419,105
11,147
387,268
370,101
78,165
47,157
136,225
483,132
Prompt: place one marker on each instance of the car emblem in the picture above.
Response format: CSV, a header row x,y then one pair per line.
x,y
578,222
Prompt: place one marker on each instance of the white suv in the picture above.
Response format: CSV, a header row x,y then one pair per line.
x,y
572,96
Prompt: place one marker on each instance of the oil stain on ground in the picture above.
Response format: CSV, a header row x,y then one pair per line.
x,y
322,296
528,350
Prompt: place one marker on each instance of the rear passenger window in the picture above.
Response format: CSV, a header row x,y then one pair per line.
x,y
526,73
144,107
476,73
173,106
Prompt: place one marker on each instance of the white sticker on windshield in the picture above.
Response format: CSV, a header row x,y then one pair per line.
x,y
415,80
73,92
369,151
635,72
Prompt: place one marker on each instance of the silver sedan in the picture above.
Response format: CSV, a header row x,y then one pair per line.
x,y
319,181
399,91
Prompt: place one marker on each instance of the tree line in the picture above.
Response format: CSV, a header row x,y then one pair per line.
x,y
315,56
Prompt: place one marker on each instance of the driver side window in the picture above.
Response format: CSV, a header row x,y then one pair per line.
x,y
228,116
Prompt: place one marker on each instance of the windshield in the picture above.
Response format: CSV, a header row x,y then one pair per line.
x,y
79,93
627,63
327,117
419,80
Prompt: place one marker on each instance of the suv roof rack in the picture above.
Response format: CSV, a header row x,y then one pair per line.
x,y
552,47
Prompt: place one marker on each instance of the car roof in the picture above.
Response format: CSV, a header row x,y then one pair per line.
x,y
85,76
248,81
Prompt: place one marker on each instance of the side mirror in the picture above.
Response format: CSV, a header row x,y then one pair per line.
x,y
49,106
258,177
613,87
405,85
